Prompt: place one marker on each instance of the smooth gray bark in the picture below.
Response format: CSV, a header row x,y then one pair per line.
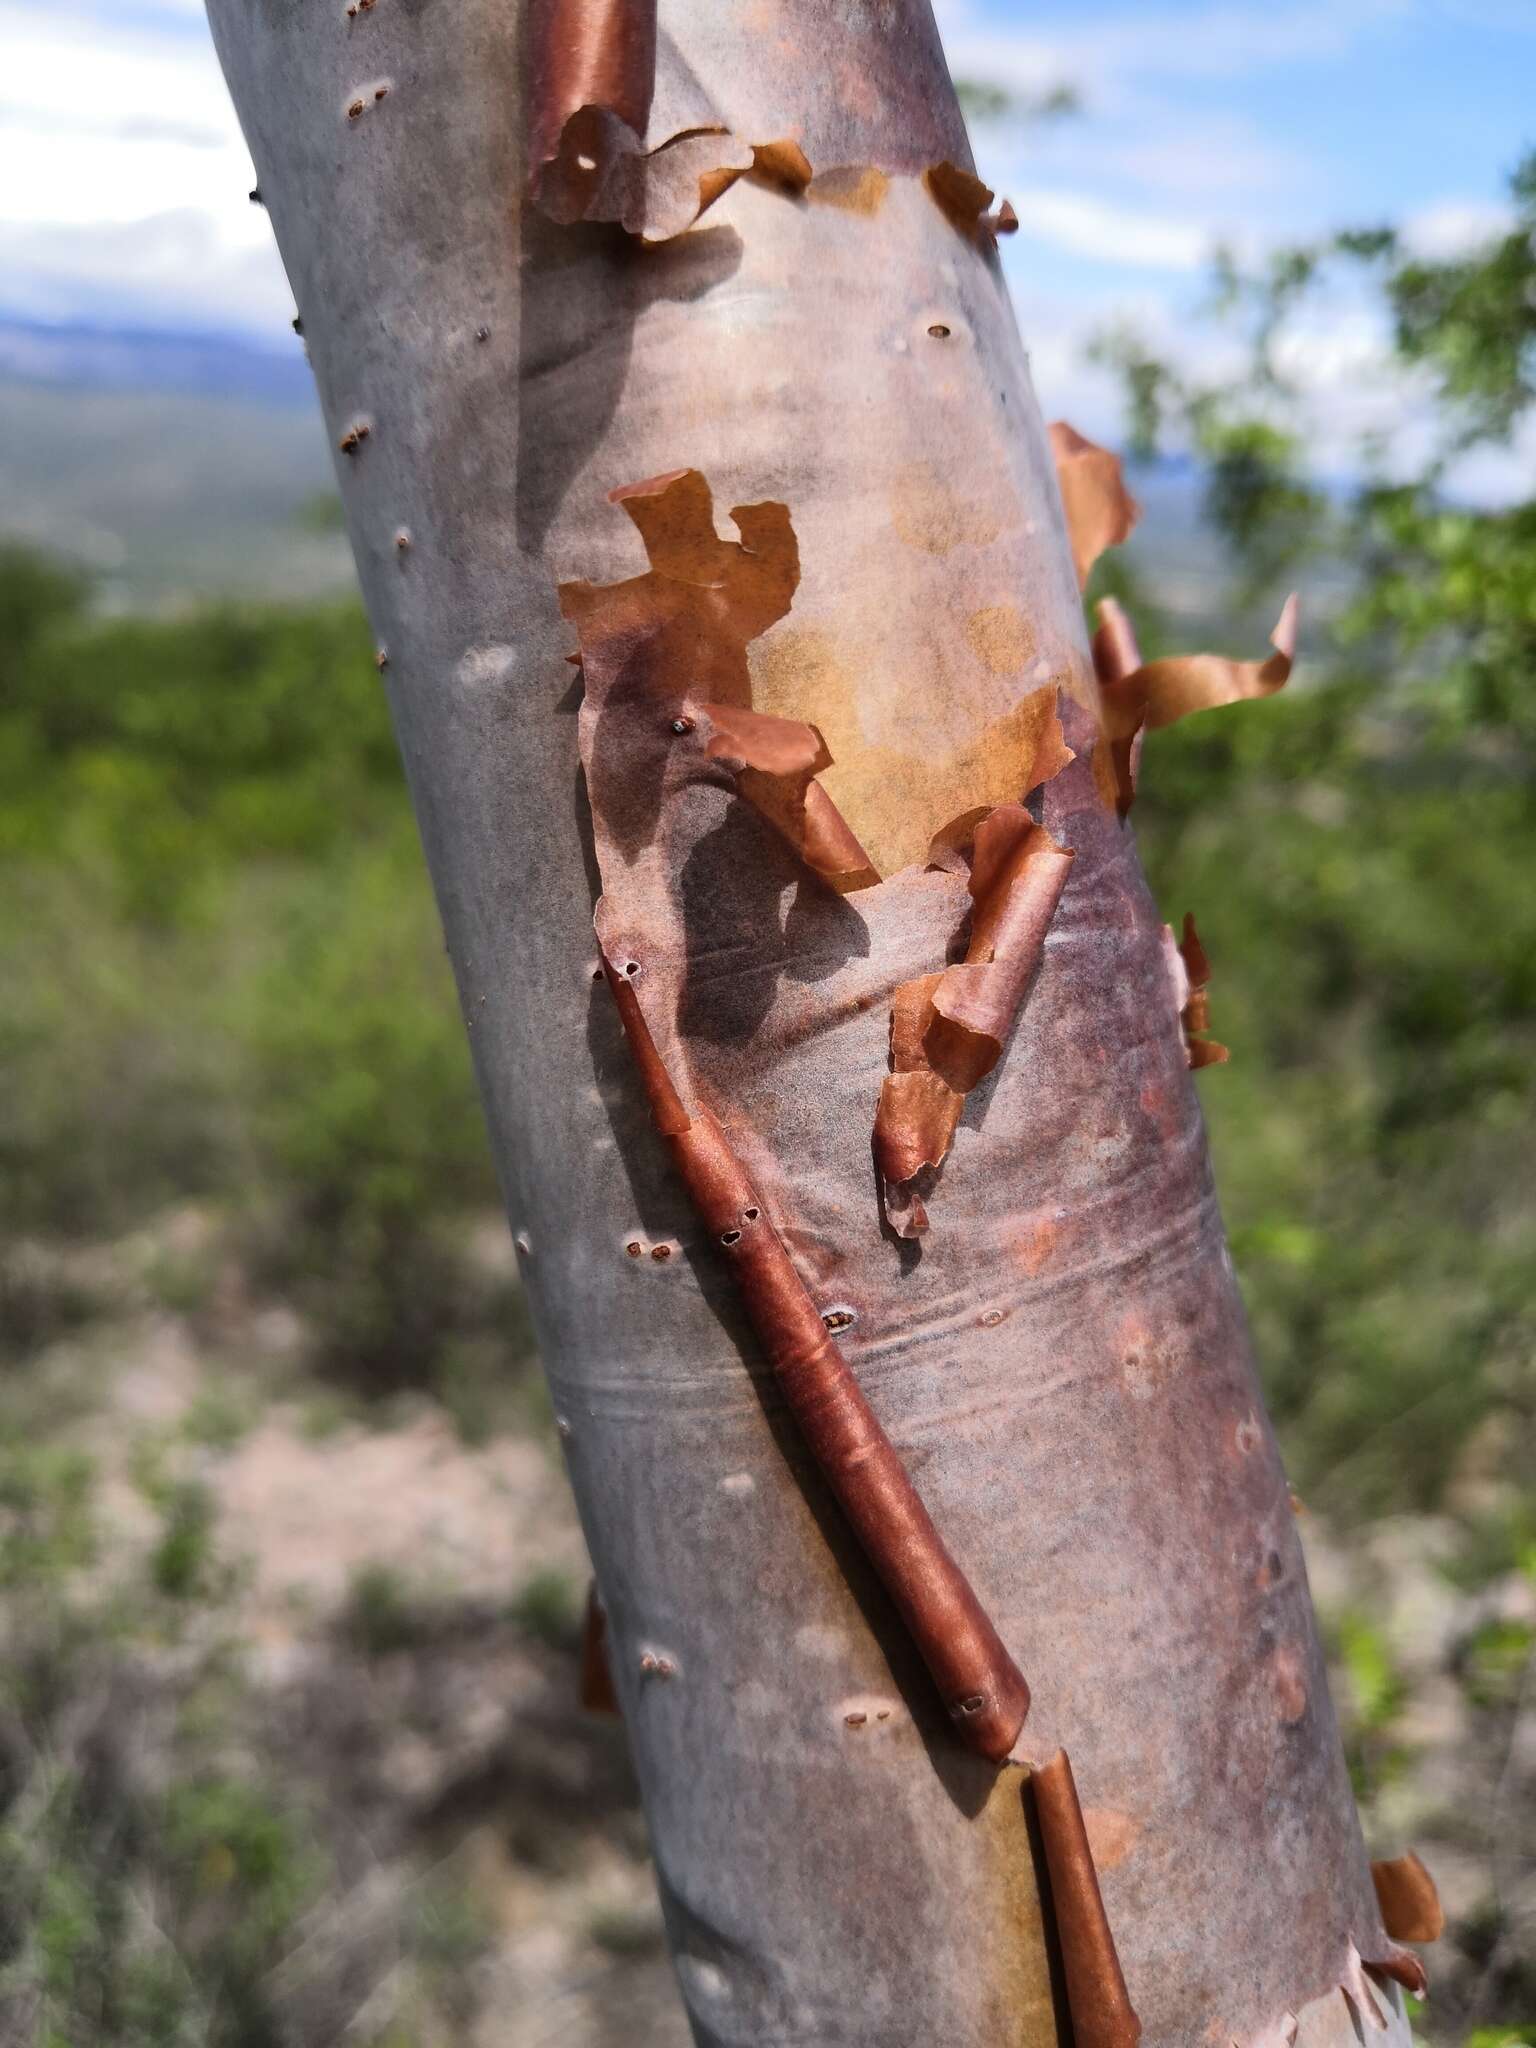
x,y
1086,1429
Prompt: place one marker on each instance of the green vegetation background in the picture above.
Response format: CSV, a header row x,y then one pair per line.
x,y
225,983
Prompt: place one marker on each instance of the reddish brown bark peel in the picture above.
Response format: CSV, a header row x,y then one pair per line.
x,y
591,79
1139,697
948,1030
1203,1050
982,1688
1100,510
1117,754
594,1680
776,761
1410,1904
588,53
669,696
1100,2005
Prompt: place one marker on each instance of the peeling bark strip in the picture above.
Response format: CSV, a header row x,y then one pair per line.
x,y
591,82
776,761
1100,2005
1100,510
982,1689
1410,1904
1195,1016
948,1030
663,659
1140,696
588,53
594,1683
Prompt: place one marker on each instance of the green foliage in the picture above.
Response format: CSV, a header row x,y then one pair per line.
x,y
382,1613
1357,852
1472,320
549,1608
226,979
989,102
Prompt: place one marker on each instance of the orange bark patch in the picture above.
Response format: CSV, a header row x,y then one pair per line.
x,y
898,803
1111,1836
932,515
1037,1244
852,188
1000,638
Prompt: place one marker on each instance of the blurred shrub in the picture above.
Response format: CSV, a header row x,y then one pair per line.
x,y
228,975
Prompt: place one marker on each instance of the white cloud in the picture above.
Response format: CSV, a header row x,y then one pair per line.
x,y
173,269
1109,54
1455,227
123,173
1112,234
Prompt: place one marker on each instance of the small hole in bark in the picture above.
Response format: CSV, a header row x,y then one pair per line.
x,y
682,725
482,334
661,1253
730,1237
836,1319
751,1214
939,331
990,1318
635,1248
355,111
380,92
973,1705
256,198
854,1720
632,967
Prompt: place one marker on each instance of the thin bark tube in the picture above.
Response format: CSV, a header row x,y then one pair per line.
x,y
762,447
981,1687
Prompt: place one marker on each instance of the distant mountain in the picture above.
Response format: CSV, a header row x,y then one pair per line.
x,y
82,358
184,466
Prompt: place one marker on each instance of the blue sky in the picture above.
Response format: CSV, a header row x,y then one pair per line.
x,y
123,180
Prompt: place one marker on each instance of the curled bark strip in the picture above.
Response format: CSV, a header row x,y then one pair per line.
x,y
595,1676
1117,753
1100,510
665,654
1357,1989
960,196
982,1688
1100,2005
1403,1967
588,53
1410,1905
1017,877
1203,1051
948,1030
591,81
1138,697
784,164
776,761
1161,692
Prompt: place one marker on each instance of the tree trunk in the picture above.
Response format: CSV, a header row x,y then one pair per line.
x,y
1040,1446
